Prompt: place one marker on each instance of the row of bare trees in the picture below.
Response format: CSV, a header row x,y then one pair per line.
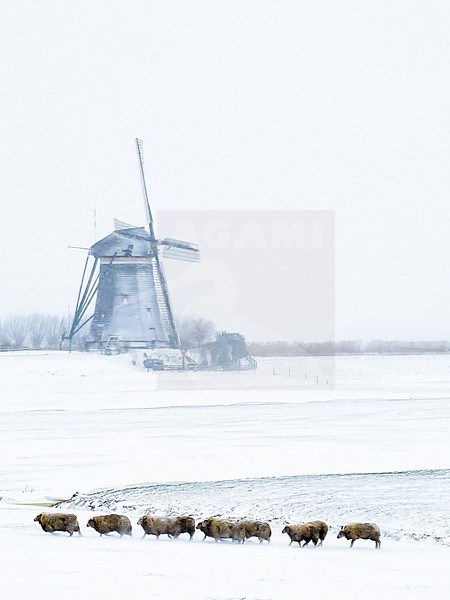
x,y
48,332
36,331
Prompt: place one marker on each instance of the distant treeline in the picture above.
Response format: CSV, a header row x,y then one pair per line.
x,y
346,347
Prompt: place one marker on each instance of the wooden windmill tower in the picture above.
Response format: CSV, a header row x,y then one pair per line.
x,y
132,302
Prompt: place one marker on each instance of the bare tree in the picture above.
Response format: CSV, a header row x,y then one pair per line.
x,y
37,326
16,330
64,327
55,331
5,337
194,332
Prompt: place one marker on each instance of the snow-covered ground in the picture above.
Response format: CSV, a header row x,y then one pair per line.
x,y
356,438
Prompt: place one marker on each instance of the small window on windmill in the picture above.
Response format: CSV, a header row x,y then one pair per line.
x,y
125,298
149,312
152,333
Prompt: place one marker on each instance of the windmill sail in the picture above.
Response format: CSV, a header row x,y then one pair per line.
x,y
148,212
118,225
180,250
165,307
159,279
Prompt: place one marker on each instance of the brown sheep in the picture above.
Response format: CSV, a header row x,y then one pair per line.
x,y
361,531
51,522
302,533
221,528
167,526
105,524
322,527
184,525
257,529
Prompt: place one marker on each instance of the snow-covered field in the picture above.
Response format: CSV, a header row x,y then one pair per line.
x,y
356,438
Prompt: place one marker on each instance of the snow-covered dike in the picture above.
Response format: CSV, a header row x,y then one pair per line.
x,y
411,504
367,441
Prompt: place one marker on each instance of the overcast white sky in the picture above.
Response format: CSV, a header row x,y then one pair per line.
x,y
243,105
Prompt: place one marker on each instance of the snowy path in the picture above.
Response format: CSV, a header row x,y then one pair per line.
x,y
46,567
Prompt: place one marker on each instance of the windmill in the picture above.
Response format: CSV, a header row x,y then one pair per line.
x,y
132,302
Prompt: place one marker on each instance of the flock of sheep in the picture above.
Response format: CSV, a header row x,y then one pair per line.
x,y
219,529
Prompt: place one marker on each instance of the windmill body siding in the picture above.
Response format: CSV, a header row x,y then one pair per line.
x,y
127,305
130,302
